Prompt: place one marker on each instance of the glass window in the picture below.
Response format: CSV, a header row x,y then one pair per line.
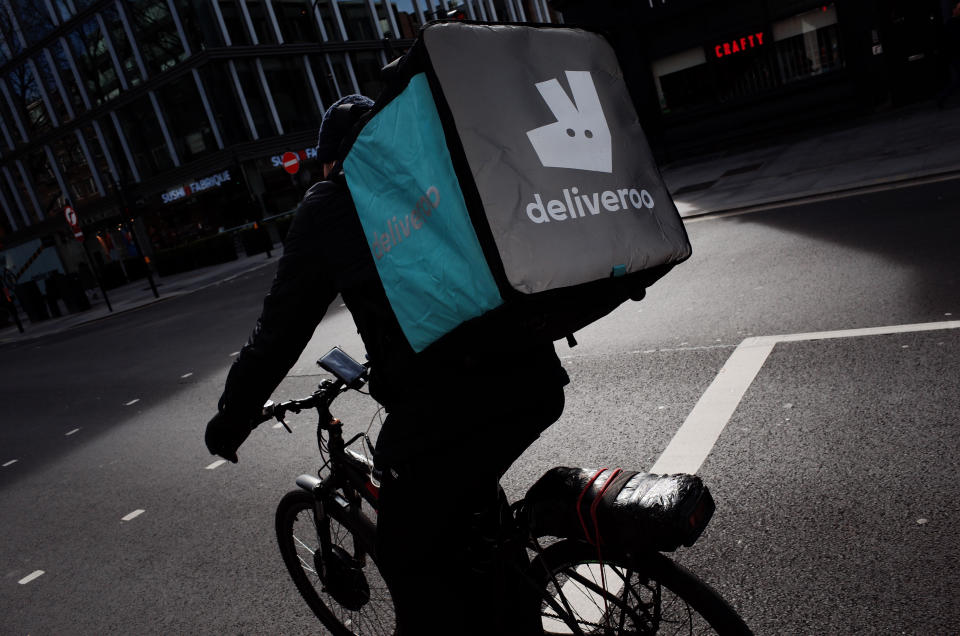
x,y
67,78
22,190
338,62
27,100
357,20
745,74
9,212
386,27
233,18
408,22
35,23
682,80
74,169
45,183
367,65
262,24
252,90
808,44
324,79
98,156
143,134
297,24
200,24
291,93
115,148
50,84
330,25
225,103
10,123
121,44
62,7
94,63
153,26
186,118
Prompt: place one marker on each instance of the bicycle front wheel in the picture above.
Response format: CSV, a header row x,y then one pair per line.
x,y
620,595
346,593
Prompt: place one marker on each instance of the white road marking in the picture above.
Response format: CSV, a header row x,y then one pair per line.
x,y
11,462
586,604
278,425
33,575
185,376
234,354
217,464
132,402
68,434
698,434
133,515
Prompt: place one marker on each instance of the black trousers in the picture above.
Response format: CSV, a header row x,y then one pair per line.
x,y
441,513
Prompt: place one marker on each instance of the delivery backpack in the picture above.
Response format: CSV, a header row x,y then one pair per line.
x,y
503,168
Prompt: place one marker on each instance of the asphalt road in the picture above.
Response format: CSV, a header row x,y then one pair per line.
x,y
835,477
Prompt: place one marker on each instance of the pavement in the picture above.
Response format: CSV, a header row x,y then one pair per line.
x,y
896,148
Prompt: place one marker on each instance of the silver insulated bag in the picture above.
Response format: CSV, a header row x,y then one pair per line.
x,y
504,170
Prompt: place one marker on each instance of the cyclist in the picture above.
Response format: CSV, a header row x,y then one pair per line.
x,y
458,413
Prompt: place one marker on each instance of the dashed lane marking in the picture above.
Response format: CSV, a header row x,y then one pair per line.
x,y
69,433
186,375
36,574
234,354
133,515
217,464
11,462
698,434
132,402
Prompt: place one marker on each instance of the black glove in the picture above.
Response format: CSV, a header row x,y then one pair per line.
x,y
225,435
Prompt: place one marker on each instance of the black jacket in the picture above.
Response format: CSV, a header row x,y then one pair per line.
x,y
326,254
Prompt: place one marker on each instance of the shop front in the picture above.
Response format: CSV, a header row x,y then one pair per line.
x,y
715,73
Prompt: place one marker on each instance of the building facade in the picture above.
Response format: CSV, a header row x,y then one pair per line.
x,y
164,123
707,73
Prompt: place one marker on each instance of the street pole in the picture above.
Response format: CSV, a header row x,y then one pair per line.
x,y
8,275
121,195
96,277
146,261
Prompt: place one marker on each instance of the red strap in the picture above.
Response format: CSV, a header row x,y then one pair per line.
x,y
583,523
596,503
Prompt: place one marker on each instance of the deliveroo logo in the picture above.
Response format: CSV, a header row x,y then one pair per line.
x,y
580,138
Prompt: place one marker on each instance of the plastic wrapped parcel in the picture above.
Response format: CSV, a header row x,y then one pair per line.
x,y
621,510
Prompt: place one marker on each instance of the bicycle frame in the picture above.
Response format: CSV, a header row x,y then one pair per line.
x,y
350,474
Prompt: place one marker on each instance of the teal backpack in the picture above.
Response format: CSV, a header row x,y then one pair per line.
x,y
504,169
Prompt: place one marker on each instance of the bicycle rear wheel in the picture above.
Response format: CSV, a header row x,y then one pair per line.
x,y
352,598
644,595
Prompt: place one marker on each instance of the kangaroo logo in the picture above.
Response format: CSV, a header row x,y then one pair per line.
x,y
580,138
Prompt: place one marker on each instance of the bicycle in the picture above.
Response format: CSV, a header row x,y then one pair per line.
x,y
328,542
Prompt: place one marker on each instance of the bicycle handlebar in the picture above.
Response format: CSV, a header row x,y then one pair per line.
x,y
322,398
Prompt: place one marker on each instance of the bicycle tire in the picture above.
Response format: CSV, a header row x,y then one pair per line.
x,y
648,594
297,538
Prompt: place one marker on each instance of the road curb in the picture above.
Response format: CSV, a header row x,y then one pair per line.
x,y
864,187
25,338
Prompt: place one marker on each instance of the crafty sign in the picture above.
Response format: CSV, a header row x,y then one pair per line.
x,y
747,42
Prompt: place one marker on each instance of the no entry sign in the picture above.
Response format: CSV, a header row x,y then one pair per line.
x,y
71,215
291,163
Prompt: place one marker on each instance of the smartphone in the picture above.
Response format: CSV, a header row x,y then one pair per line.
x,y
341,365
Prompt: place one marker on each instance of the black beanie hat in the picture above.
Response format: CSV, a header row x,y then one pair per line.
x,y
337,122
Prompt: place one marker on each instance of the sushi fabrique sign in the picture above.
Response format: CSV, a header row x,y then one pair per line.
x,y
213,181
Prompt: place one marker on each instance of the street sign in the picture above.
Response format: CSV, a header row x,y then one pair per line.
x,y
291,163
71,216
